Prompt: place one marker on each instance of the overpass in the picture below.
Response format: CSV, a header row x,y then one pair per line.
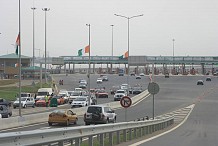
x,y
135,61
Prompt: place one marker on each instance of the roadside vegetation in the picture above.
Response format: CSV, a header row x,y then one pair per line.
x,y
10,92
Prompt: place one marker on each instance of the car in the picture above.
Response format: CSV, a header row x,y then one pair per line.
x,y
200,82
132,74
5,102
141,74
118,96
5,111
99,80
121,91
208,79
167,75
41,102
114,89
62,116
25,102
65,95
101,94
136,90
60,99
73,95
80,101
82,85
104,78
99,114
125,87
83,82
138,77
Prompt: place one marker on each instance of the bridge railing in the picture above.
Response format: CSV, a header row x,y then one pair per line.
x,y
76,135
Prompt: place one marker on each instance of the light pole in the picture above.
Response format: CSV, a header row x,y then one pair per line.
x,y
33,8
89,103
173,55
45,9
112,45
128,18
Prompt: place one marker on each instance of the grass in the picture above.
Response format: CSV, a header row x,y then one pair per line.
x,y
8,82
10,93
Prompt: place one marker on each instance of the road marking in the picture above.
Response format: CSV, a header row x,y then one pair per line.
x,y
149,139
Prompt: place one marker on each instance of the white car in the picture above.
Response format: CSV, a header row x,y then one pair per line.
x,y
121,91
83,82
99,80
25,102
141,74
118,96
80,101
73,95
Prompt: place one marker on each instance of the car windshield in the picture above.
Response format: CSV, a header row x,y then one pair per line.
x,y
23,99
42,93
120,91
75,93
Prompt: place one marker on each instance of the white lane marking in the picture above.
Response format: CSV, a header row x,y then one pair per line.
x,y
149,139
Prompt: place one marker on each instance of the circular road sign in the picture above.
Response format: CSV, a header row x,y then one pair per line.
x,y
153,88
125,101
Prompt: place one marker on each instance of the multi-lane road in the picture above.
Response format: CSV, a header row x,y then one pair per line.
x,y
175,92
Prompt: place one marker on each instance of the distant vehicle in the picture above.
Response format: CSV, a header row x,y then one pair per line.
x,y
42,92
99,114
101,94
5,111
114,89
60,99
121,72
125,87
65,95
25,102
141,74
73,95
138,77
41,102
136,90
167,75
99,80
208,79
80,102
200,82
118,96
82,85
132,74
121,91
66,117
78,89
83,82
104,78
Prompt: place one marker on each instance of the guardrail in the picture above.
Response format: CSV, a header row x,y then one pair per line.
x,y
74,135
43,117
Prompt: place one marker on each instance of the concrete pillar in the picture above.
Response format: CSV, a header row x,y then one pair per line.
x,y
203,69
183,69
111,69
137,70
69,68
64,68
73,68
93,68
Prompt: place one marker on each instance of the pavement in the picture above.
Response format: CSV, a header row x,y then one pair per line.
x,y
23,83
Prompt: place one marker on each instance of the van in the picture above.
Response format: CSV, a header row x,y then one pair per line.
x,y
42,92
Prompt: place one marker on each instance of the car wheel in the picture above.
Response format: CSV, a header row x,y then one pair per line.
x,y
24,106
87,123
107,121
49,123
14,107
75,122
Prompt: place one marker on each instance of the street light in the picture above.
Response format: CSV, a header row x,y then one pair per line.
x,y
128,18
33,8
89,103
45,9
173,55
112,47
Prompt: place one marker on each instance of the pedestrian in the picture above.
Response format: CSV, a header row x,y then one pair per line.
x,y
46,100
62,82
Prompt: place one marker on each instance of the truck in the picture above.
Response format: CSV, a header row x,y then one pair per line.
x,y
42,92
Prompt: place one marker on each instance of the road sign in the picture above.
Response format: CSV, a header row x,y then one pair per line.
x,y
153,88
125,101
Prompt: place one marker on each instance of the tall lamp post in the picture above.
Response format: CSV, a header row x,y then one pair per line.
x,y
89,103
45,9
33,8
128,18
173,55
112,45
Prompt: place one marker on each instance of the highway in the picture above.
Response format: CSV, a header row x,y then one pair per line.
x,y
175,92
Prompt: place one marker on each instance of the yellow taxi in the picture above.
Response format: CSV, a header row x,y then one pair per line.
x,y
62,116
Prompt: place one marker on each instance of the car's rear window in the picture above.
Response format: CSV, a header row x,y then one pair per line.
x,y
93,109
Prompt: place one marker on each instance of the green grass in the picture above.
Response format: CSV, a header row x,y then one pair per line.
x,y
9,93
8,82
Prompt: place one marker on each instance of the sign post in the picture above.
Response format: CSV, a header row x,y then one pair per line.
x,y
153,88
125,102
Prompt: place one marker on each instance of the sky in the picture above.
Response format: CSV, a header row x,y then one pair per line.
x,y
192,23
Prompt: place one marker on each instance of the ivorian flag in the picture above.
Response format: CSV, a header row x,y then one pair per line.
x,y
126,54
83,51
17,44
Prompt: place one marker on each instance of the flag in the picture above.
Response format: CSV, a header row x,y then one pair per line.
x,y
17,44
83,51
87,49
126,54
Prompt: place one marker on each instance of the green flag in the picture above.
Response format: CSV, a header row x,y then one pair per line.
x,y
80,52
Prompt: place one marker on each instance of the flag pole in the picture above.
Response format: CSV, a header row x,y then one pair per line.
x,y
19,52
89,102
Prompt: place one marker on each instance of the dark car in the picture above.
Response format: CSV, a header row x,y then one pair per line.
x,y
200,82
138,77
208,79
104,78
83,86
101,94
5,102
136,90
167,75
114,89
5,111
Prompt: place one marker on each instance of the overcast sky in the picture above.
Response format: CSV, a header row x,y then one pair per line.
x,y
192,23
